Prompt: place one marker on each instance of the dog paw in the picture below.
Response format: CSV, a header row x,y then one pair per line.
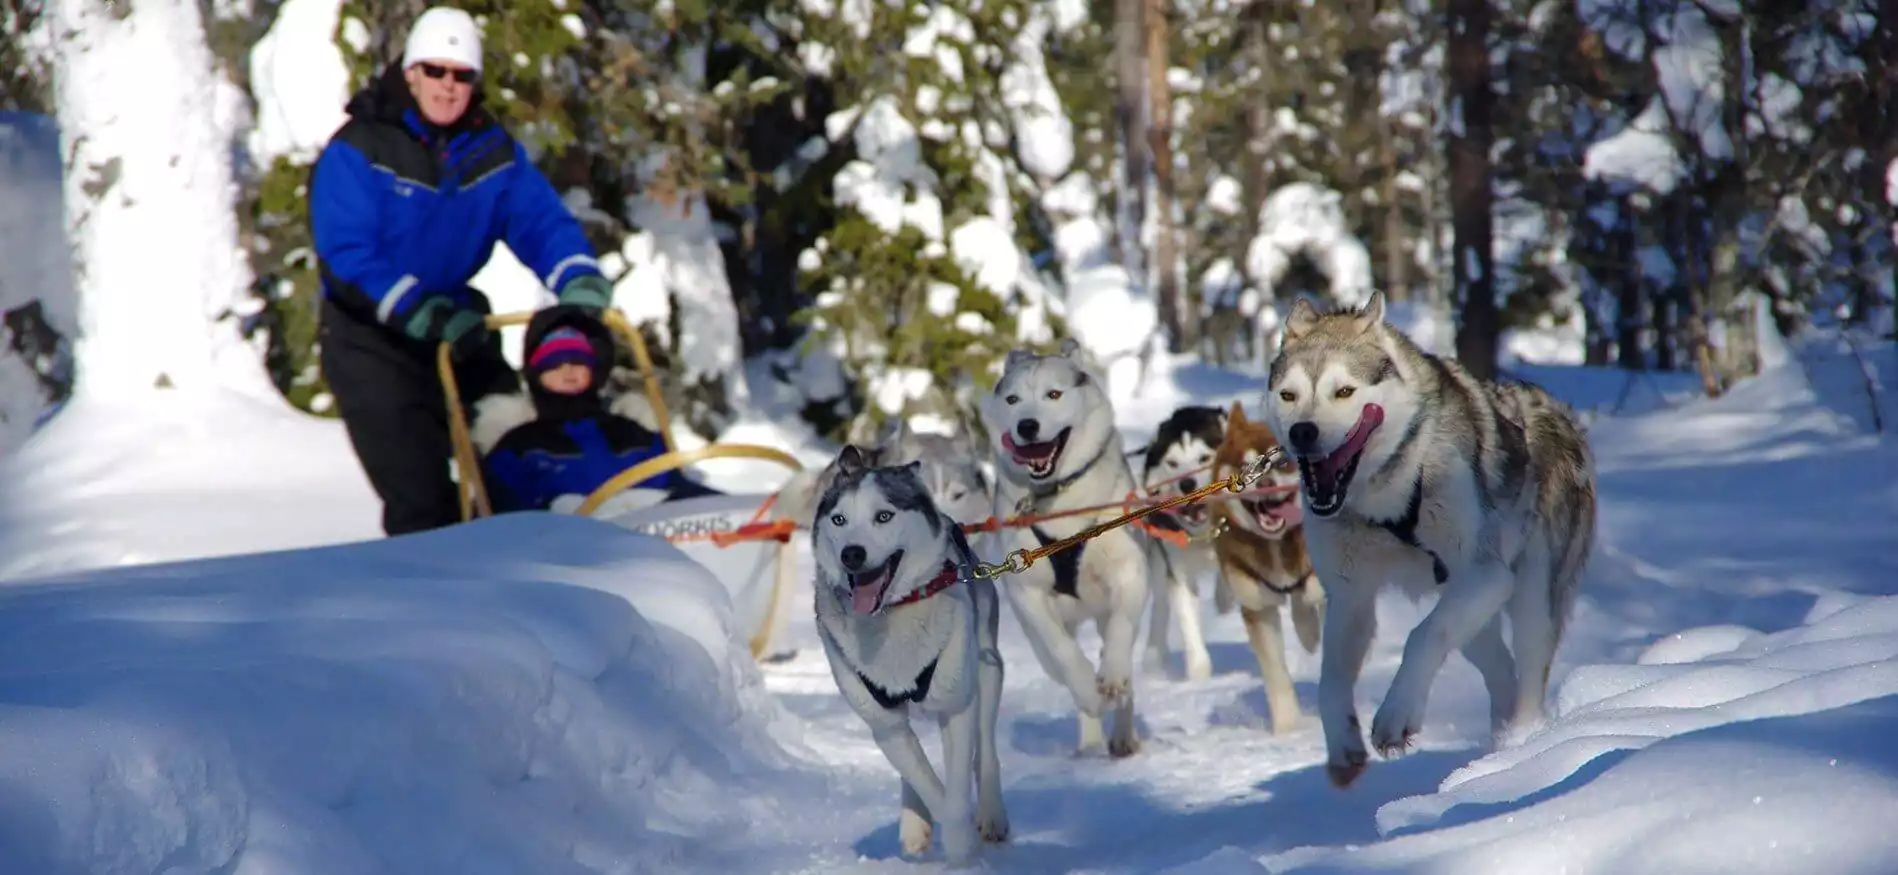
x,y
1392,731
1122,748
915,834
992,827
1345,766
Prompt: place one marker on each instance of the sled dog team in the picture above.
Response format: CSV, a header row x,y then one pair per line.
x,y
1400,468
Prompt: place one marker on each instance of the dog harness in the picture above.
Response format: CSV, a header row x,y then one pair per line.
x,y
1066,565
1404,529
918,692
948,577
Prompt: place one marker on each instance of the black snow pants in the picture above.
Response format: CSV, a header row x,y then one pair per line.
x,y
389,396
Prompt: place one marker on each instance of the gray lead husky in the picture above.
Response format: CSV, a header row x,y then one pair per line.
x,y
1415,471
905,627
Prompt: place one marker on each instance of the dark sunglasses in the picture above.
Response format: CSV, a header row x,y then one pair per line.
x,y
437,71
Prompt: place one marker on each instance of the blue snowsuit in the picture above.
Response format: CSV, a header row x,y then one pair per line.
x,y
401,211
574,444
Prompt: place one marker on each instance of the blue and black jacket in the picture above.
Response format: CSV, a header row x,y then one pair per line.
x,y
401,209
574,444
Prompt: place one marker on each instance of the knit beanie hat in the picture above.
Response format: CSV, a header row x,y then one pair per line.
x,y
561,346
444,34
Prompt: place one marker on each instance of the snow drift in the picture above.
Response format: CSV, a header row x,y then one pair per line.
x,y
529,693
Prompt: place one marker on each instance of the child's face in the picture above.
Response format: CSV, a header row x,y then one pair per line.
x,y
567,378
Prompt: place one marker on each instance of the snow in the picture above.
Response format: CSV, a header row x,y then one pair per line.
x,y
676,241
102,482
410,705
1640,153
887,182
35,260
1301,218
559,695
300,82
1043,131
151,202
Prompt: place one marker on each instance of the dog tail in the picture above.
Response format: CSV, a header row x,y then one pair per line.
x,y
1308,617
1567,501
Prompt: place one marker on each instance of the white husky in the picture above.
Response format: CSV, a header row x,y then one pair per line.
x,y
1057,449
1415,472
905,626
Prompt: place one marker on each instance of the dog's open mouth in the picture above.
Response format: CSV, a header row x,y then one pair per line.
x,y
1275,513
1326,480
868,586
1039,458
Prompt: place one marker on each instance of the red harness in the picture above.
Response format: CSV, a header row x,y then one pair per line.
x,y
947,578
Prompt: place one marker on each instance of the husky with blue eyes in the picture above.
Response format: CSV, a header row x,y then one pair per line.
x,y
908,629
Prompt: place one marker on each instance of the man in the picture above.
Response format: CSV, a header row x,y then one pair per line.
x,y
406,203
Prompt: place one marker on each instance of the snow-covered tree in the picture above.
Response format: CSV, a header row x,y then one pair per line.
x,y
151,201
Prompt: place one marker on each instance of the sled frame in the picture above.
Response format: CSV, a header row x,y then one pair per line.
x,y
472,490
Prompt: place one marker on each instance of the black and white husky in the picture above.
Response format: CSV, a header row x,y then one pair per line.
x,y
1179,460
906,627
1057,449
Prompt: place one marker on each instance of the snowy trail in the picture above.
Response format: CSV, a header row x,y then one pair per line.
x,y
1738,614
1690,537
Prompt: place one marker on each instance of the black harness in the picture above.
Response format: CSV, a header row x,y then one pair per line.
x,y
1066,565
1404,529
890,700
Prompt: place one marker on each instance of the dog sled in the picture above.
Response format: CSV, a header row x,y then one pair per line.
x,y
731,535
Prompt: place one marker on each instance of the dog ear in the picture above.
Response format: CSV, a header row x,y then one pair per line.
x,y
1016,356
1236,416
1069,346
1372,313
1303,318
851,459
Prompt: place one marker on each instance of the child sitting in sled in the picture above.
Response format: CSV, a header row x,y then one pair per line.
x,y
569,443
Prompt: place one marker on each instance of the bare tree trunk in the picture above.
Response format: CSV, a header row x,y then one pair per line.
x,y
1175,317
1396,247
1130,113
1628,352
1878,133
1472,263
1726,205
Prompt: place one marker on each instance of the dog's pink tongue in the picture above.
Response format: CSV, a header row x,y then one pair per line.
x,y
1290,512
863,599
1369,419
1028,451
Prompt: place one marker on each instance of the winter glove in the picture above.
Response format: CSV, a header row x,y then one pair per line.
x,y
440,320
590,292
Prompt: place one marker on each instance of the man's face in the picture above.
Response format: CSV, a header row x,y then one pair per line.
x,y
442,89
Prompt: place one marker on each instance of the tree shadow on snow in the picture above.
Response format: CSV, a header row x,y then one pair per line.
x,y
1121,828
1055,735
